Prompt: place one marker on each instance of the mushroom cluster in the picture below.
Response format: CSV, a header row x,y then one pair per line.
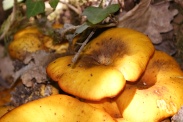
x,y
31,39
118,77
105,64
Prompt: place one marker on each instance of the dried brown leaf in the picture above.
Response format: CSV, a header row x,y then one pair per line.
x,y
32,70
179,116
6,68
35,69
149,19
179,2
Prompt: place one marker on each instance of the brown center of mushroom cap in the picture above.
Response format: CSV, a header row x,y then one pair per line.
x,y
105,53
116,55
123,49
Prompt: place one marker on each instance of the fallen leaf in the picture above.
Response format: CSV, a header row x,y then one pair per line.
x,y
6,69
35,69
178,117
179,2
21,94
168,44
149,19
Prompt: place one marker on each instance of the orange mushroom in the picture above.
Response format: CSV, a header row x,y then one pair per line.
x,y
108,105
27,30
115,55
31,39
23,45
92,84
158,94
25,41
125,49
56,108
5,109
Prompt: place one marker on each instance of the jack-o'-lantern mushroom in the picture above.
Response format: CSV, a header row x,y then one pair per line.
x,y
25,41
31,39
157,95
108,105
116,55
23,45
56,108
27,30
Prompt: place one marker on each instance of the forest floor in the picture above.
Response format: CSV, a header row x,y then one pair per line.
x,y
26,80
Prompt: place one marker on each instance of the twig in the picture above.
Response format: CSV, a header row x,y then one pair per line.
x,y
162,2
76,56
71,7
134,14
110,2
121,3
12,19
107,25
69,28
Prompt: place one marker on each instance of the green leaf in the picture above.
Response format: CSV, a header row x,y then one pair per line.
x,y
81,28
34,7
97,14
53,3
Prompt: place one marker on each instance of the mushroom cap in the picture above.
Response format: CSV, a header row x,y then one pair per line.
x,y
31,39
5,109
27,43
115,55
30,29
125,49
27,40
109,105
57,108
156,95
93,84
57,48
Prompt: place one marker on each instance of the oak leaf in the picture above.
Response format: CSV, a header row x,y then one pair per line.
x,y
149,19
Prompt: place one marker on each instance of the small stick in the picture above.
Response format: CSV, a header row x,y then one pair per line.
x,y
11,20
76,56
71,7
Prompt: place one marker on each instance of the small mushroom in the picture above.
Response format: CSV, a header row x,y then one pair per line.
x,y
25,41
59,48
31,39
157,95
27,30
115,55
23,45
56,108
